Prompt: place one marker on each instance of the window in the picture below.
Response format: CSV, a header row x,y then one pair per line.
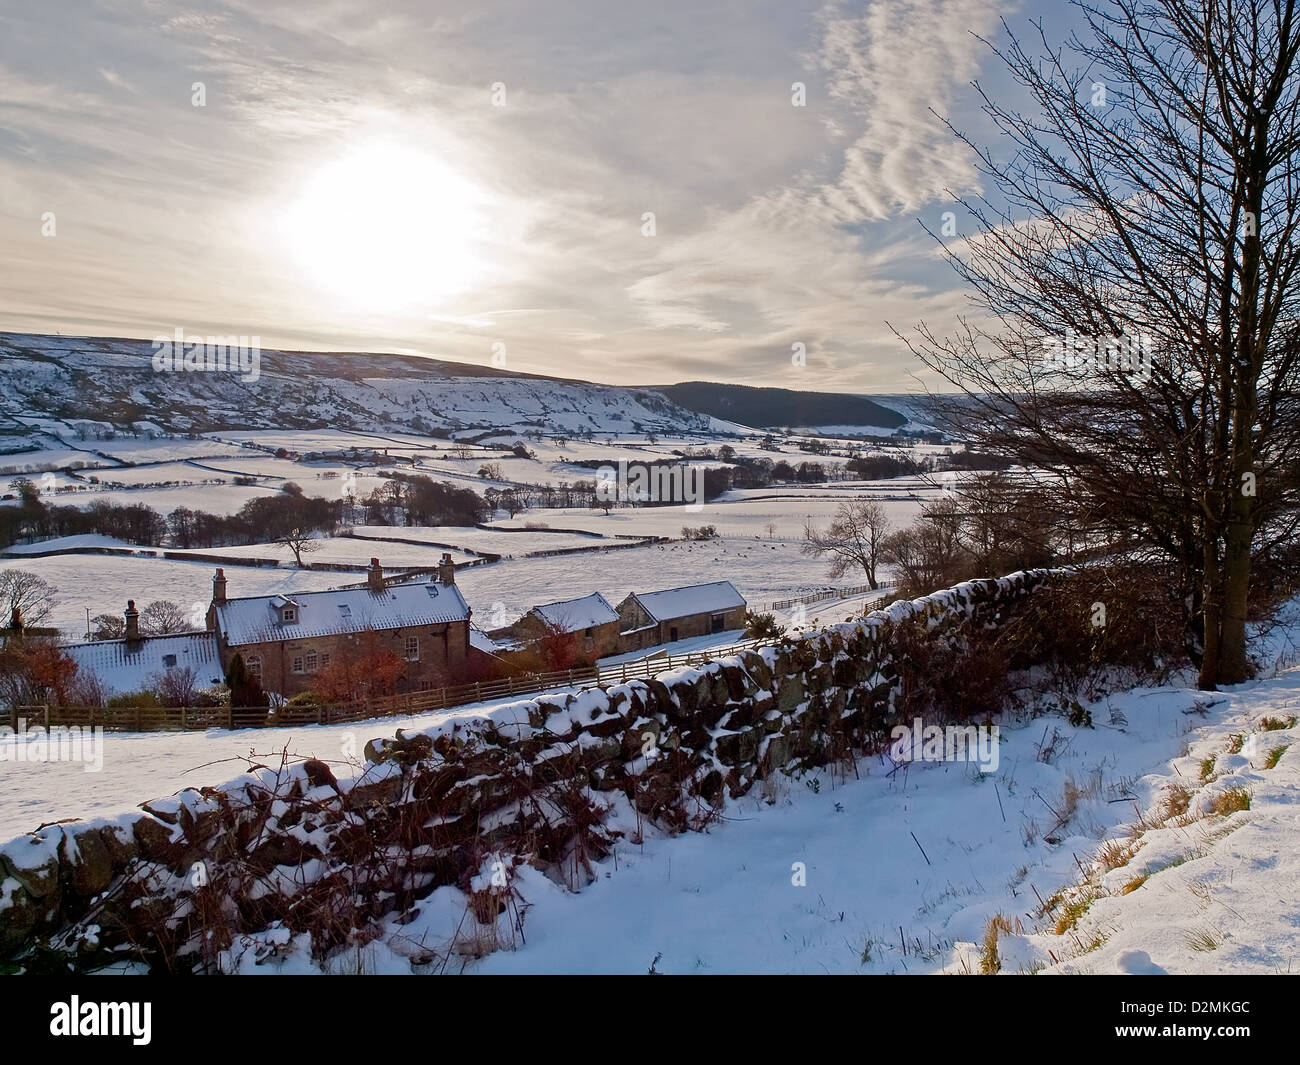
x,y
169,661
345,610
253,667
311,661
289,615
324,660
413,648
297,664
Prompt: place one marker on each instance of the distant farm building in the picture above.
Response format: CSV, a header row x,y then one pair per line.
x,y
590,621
650,618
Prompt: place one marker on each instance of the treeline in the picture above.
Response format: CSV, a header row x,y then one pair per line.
x,y
405,499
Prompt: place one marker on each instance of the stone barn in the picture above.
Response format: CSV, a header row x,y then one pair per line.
x,y
651,618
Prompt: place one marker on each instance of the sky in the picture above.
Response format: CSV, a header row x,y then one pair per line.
x,y
615,190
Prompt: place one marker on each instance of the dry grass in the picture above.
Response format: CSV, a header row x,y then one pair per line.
x,y
1230,801
1175,803
1275,724
1275,756
1205,940
1134,884
1073,910
1116,853
1207,767
990,961
1235,742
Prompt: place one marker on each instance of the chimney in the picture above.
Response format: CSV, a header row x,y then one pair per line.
x,y
375,576
447,569
219,588
16,621
132,621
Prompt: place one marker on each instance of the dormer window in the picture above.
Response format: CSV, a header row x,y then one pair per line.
x,y
289,615
169,661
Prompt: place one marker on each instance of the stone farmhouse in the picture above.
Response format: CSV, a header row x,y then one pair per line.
x,y
286,640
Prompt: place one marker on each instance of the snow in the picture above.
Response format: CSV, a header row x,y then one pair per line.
x,y
80,541
866,870
672,603
574,614
124,667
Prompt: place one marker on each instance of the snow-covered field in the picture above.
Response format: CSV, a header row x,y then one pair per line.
x,y
876,871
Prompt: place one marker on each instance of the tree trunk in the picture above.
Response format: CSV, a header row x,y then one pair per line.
x,y
1212,613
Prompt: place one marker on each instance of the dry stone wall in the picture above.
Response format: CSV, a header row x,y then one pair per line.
x,y
531,781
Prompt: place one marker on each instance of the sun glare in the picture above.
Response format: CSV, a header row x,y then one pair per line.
x,y
386,227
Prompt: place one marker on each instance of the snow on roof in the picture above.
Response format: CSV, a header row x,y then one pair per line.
x,y
342,610
125,666
481,641
570,615
674,603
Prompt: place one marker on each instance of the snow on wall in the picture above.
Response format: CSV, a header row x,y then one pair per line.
x,y
429,804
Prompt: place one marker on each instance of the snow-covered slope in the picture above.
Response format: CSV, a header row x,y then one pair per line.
x,y
113,381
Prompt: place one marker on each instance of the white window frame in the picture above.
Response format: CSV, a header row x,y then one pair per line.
x,y
416,641
311,660
298,669
253,666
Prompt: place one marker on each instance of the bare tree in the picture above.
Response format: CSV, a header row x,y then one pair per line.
x,y
1140,283
31,596
107,627
300,543
175,686
853,539
162,617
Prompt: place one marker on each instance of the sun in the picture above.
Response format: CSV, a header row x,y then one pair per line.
x,y
386,227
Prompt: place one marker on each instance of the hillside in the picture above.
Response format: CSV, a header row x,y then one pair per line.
x,y
113,380
777,407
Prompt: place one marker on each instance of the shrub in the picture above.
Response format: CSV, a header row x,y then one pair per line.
x,y
762,626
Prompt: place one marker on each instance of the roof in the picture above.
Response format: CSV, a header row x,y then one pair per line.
x,y
673,603
125,666
339,611
481,641
569,615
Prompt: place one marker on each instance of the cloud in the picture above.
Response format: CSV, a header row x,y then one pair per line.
x,y
774,224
